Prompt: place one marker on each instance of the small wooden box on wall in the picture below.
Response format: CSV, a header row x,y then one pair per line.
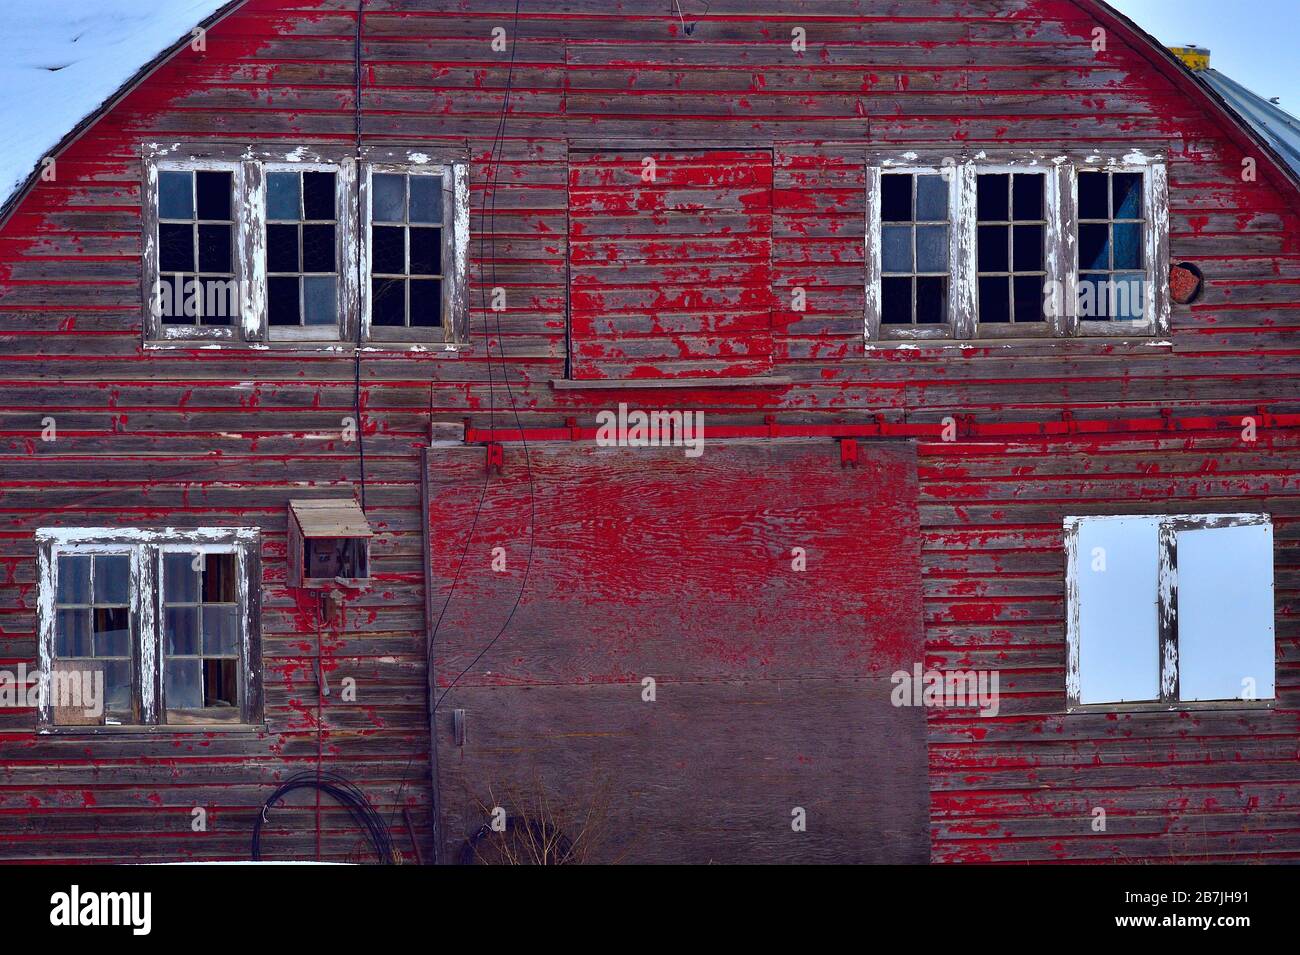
x,y
329,542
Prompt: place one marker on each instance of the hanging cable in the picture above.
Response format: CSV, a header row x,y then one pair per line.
x,y
346,793
356,204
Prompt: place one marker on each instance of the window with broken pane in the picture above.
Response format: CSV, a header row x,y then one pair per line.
x,y
914,248
167,620
1112,263
196,248
302,255
94,624
1011,247
407,216
200,628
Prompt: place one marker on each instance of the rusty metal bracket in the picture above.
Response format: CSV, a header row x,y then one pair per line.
x,y
496,457
848,452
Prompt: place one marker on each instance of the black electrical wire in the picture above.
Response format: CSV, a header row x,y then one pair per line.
x,y
346,793
356,353
487,228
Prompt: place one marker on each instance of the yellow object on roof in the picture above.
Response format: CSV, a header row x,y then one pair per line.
x,y
1196,58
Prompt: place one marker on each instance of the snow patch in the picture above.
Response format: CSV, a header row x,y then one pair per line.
x,y
60,61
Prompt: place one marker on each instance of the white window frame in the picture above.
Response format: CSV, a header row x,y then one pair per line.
x,y
245,215
876,329
145,548
455,252
1166,611
1061,261
345,253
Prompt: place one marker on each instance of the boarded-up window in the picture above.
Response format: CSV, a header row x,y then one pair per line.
x,y
670,262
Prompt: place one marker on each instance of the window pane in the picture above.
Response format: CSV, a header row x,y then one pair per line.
x,y
993,250
931,199
214,194
318,248
931,300
112,579
1126,189
388,250
175,247
1028,243
72,633
896,248
995,299
1225,613
1027,203
1094,247
932,248
220,635
1117,566
117,686
282,248
993,197
389,301
426,302
282,195
112,632
1128,298
388,197
282,300
175,195
180,579
896,301
1093,198
896,198
214,248
1094,298
319,301
1128,245
426,251
1030,298
318,195
184,684
426,199
74,580
181,630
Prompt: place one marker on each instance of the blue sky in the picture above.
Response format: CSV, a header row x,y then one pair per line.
x,y
1254,42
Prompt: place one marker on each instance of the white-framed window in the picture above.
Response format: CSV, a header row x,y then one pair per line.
x,y
415,244
1169,611
1033,251
198,266
247,244
148,628
308,211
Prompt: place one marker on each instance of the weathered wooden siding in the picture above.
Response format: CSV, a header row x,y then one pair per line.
x,y
198,437
771,673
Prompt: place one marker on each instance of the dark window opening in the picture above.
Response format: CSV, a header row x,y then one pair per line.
x,y
197,284
328,557
406,250
1011,254
302,249
1112,261
914,249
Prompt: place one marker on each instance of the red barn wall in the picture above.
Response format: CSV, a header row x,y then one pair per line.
x,y
227,436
